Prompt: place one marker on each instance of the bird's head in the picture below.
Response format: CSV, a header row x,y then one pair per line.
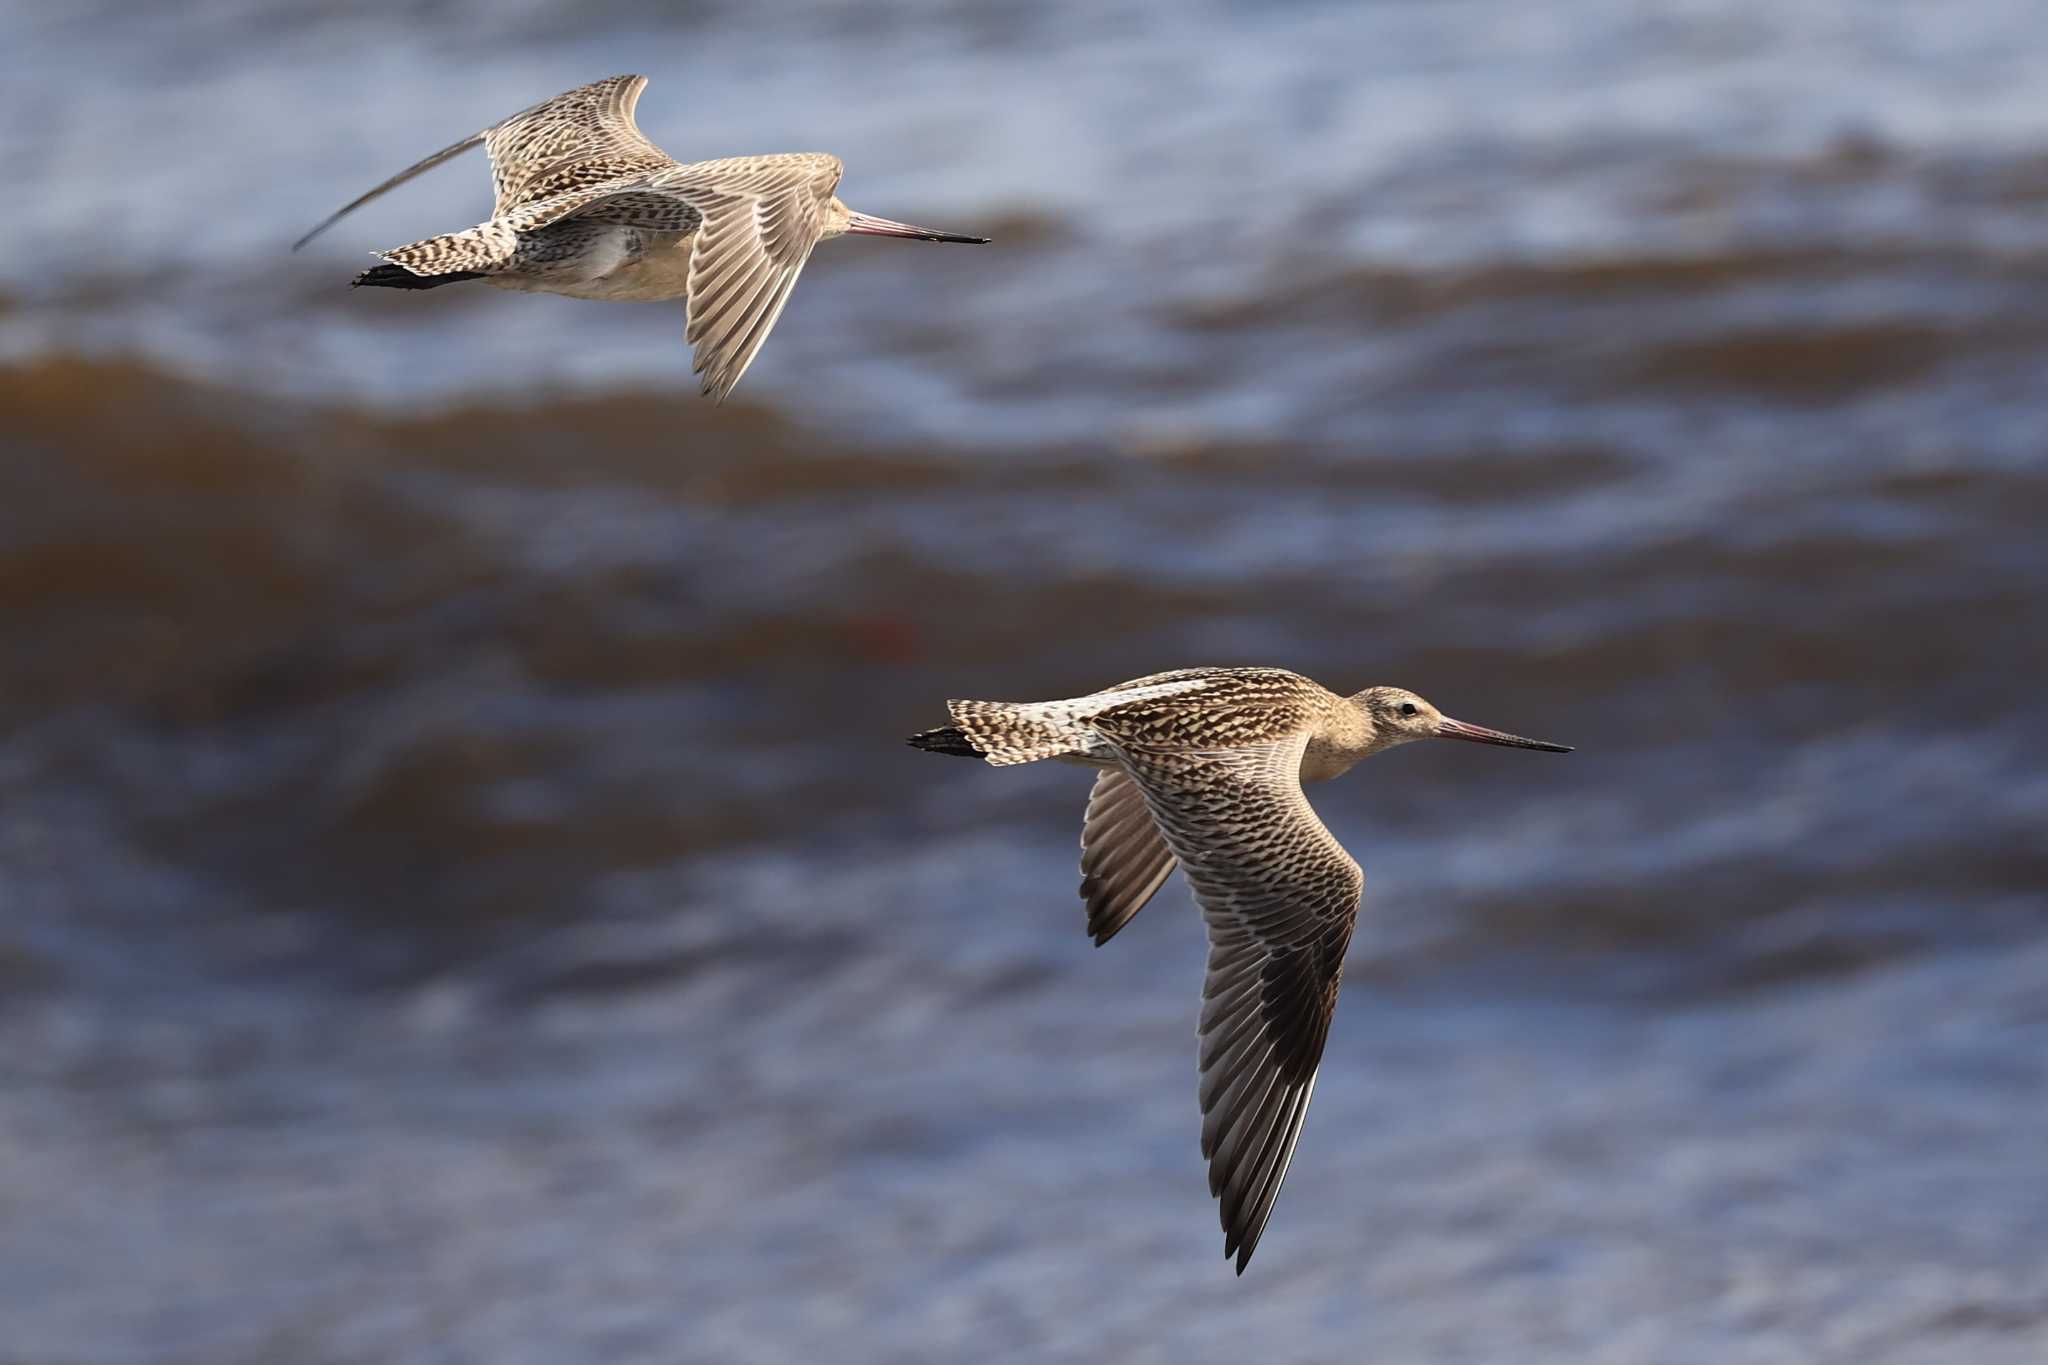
x,y
1398,716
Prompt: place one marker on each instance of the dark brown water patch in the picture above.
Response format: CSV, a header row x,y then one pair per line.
x,y
1481,476
1473,474
135,423
1394,295
672,443
1800,363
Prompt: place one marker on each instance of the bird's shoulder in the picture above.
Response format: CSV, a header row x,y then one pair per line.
x,y
1211,708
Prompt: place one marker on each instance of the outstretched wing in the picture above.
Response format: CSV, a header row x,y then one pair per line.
x,y
761,215
578,139
1124,861
1280,896
573,141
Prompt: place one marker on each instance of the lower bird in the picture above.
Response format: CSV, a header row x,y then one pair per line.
x,y
587,206
1203,768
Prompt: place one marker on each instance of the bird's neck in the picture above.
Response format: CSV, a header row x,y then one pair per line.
x,y
1345,737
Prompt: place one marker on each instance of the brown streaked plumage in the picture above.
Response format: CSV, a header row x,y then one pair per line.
x,y
587,206
1203,768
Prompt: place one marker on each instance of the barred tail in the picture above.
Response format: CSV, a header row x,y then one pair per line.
x,y
1006,732
485,247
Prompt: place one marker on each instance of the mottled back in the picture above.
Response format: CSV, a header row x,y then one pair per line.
x,y
1231,707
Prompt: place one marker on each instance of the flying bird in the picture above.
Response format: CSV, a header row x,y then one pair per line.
x,y
587,206
1203,768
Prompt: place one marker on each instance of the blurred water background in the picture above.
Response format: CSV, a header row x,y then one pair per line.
x,y
463,896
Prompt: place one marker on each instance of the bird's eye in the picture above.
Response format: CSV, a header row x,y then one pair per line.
x,y
1407,708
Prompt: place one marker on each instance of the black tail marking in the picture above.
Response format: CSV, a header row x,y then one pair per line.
x,y
950,740
398,277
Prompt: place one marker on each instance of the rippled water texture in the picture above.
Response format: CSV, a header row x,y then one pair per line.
x,y
463,896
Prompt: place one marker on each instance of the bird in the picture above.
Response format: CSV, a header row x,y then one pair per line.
x,y
1203,768
586,206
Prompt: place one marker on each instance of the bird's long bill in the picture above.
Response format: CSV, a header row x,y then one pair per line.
x,y
1447,728
870,226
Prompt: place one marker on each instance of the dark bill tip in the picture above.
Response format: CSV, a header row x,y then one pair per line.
x,y
867,225
1479,734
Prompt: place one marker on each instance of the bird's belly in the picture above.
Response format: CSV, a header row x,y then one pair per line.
x,y
624,265
662,271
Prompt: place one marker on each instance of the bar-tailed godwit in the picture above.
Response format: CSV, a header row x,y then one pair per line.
x,y
588,207
1204,767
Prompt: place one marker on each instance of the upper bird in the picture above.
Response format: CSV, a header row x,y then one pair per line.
x,y
588,207
1204,767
